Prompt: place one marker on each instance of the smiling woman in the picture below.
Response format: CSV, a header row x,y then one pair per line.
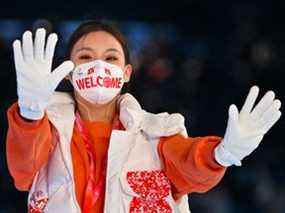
x,y
97,150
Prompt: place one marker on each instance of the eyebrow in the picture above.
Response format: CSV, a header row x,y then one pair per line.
x,y
90,49
113,49
84,48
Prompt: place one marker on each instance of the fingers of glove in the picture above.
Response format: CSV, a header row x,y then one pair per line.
x,y
263,105
28,51
250,100
60,72
266,116
233,114
50,47
270,122
259,122
18,54
277,104
40,43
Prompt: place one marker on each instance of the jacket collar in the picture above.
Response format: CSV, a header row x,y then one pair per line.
x,y
134,119
132,116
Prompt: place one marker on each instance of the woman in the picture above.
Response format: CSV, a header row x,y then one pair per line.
x,y
96,149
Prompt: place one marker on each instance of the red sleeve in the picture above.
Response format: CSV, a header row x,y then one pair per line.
x,y
189,163
28,147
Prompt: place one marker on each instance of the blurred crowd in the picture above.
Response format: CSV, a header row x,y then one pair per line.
x,y
198,76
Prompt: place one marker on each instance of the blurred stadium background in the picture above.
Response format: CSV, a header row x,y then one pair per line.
x,y
192,57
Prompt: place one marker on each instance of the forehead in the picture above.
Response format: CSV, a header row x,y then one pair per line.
x,y
98,41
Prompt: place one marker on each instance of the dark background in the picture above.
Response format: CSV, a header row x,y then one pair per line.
x,y
192,57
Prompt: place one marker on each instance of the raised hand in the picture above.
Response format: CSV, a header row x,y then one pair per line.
x,y
246,129
35,80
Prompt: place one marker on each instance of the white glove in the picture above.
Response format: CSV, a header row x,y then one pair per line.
x,y
35,81
246,129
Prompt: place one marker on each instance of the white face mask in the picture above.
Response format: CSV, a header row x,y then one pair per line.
x,y
98,81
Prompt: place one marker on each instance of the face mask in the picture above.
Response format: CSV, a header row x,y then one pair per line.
x,y
98,81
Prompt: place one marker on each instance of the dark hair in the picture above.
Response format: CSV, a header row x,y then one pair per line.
x,y
94,26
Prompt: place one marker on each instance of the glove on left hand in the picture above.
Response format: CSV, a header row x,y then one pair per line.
x,y
246,129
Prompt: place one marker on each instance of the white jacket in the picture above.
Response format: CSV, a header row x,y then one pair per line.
x,y
132,161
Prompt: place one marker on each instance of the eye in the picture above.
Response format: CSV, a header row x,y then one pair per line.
x,y
111,58
85,57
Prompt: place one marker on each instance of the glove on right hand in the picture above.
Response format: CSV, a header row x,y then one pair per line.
x,y
35,81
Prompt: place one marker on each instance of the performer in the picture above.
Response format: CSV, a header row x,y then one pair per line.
x,y
96,149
